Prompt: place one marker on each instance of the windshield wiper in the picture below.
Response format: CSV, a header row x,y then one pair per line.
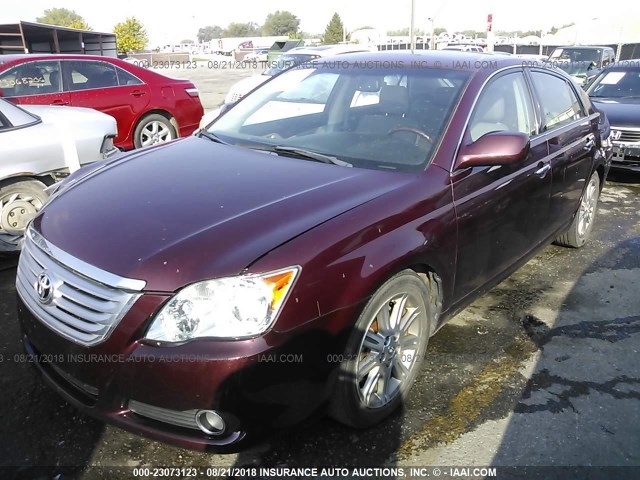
x,y
318,157
212,136
301,152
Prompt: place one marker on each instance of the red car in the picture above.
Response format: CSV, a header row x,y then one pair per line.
x,y
149,108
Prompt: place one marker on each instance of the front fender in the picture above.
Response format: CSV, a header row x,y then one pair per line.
x,y
345,260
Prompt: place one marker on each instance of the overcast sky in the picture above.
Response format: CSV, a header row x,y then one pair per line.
x,y
168,21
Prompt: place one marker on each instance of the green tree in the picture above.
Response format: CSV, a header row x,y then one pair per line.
x,y
439,30
206,34
242,30
334,32
281,23
63,17
402,32
187,41
131,35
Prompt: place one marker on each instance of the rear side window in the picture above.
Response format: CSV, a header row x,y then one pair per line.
x,y
125,78
85,75
31,78
504,105
560,104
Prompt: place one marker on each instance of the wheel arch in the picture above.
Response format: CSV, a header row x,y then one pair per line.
x,y
156,111
47,179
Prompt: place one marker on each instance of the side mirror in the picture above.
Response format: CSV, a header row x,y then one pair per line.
x,y
495,148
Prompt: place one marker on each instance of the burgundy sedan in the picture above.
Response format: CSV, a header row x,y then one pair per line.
x,y
148,107
306,246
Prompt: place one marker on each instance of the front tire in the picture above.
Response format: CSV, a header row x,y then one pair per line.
x,y
384,353
153,129
578,233
20,201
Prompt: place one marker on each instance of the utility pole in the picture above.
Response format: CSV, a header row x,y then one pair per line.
x,y
412,30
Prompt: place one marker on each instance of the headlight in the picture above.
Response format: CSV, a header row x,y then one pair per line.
x,y
235,307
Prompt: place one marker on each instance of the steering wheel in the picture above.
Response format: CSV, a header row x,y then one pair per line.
x,y
415,131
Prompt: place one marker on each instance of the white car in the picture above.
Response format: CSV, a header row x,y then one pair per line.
x,y
259,55
293,57
38,146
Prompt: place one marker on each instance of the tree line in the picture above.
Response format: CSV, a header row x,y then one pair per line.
x,y
132,36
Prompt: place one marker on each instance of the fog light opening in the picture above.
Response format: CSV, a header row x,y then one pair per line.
x,y
210,422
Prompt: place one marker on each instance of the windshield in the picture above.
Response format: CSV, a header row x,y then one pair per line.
x,y
390,119
576,61
616,84
15,116
285,62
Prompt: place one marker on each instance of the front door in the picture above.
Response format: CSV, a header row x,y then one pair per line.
x,y
502,211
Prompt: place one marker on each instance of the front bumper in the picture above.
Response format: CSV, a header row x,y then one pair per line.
x,y
256,385
626,157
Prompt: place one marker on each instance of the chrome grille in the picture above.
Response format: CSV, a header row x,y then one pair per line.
x,y
86,303
186,419
628,136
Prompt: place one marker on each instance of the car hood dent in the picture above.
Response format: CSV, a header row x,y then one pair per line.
x,y
194,210
620,112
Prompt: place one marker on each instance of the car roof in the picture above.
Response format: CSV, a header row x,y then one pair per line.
x,y
585,47
632,64
24,57
448,59
326,50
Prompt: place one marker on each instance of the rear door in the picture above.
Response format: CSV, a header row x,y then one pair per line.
x,y
34,83
105,87
568,131
503,210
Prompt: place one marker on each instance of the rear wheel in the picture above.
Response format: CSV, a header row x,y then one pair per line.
x,y
578,233
20,201
384,353
153,129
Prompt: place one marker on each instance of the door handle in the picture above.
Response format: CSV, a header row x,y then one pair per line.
x,y
59,102
591,142
138,93
542,171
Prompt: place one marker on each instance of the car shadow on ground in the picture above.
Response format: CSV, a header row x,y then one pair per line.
x,y
581,404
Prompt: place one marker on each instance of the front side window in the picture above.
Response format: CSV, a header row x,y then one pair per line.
x,y
386,118
85,75
560,105
504,105
31,78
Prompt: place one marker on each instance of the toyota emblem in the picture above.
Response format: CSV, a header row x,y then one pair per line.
x,y
44,288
